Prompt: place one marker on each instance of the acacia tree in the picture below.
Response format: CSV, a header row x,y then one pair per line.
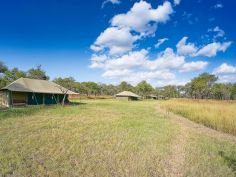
x,y
37,73
144,88
65,84
201,86
124,86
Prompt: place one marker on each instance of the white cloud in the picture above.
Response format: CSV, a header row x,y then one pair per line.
x,y
141,15
118,73
230,78
117,40
186,49
167,60
177,2
219,32
194,66
218,6
135,77
211,49
225,69
160,41
132,59
110,1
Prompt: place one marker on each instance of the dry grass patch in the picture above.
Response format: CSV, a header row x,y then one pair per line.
x,y
98,138
219,115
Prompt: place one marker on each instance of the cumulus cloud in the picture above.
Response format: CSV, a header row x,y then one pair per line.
x,y
116,40
160,41
184,48
167,60
225,69
143,18
177,2
135,77
218,6
110,1
211,49
226,73
219,32
118,73
132,59
194,66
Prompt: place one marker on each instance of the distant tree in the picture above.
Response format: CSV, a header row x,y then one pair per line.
x,y
92,88
3,68
233,92
124,86
144,88
37,73
170,91
65,84
201,86
12,75
108,89
222,91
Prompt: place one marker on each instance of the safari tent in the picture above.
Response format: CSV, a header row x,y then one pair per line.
x,y
26,91
127,95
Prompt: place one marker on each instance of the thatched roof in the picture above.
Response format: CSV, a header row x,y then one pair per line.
x,y
36,86
127,94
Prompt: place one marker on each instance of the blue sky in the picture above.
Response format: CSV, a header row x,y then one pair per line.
x,y
114,40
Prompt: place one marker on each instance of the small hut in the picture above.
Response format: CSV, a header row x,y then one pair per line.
x,y
152,97
26,91
127,95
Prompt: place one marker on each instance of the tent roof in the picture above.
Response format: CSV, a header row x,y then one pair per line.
x,y
36,86
127,94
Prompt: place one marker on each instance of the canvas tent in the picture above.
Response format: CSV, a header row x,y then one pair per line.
x,y
153,97
127,95
26,91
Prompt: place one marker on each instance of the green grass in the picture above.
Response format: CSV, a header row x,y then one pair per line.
x,y
219,115
100,138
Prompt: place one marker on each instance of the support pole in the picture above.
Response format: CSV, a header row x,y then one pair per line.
x,y
35,98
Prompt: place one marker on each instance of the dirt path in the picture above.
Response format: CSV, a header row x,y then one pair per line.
x,y
175,162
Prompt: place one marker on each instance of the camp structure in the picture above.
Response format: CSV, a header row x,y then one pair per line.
x,y
152,97
127,95
26,91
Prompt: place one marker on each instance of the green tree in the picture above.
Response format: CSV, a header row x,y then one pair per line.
x,y
37,73
12,75
92,88
124,86
68,82
201,86
3,68
170,91
144,88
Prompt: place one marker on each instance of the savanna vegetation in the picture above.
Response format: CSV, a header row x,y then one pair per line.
x,y
109,138
219,115
204,86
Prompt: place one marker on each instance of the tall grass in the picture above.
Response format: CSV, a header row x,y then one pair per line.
x,y
219,115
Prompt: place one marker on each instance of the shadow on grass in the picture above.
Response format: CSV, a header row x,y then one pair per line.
x,y
231,161
31,110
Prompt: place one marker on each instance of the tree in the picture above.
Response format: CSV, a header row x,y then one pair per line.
x,y
92,88
65,84
12,75
201,86
3,68
170,91
37,73
124,86
144,88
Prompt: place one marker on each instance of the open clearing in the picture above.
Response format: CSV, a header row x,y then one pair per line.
x,y
111,138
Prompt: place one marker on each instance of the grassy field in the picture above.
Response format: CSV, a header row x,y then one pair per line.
x,y
107,138
219,115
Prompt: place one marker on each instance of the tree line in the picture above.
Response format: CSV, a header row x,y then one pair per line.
x,y
204,86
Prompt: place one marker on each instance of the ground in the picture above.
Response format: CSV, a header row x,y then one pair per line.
x,y
111,138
